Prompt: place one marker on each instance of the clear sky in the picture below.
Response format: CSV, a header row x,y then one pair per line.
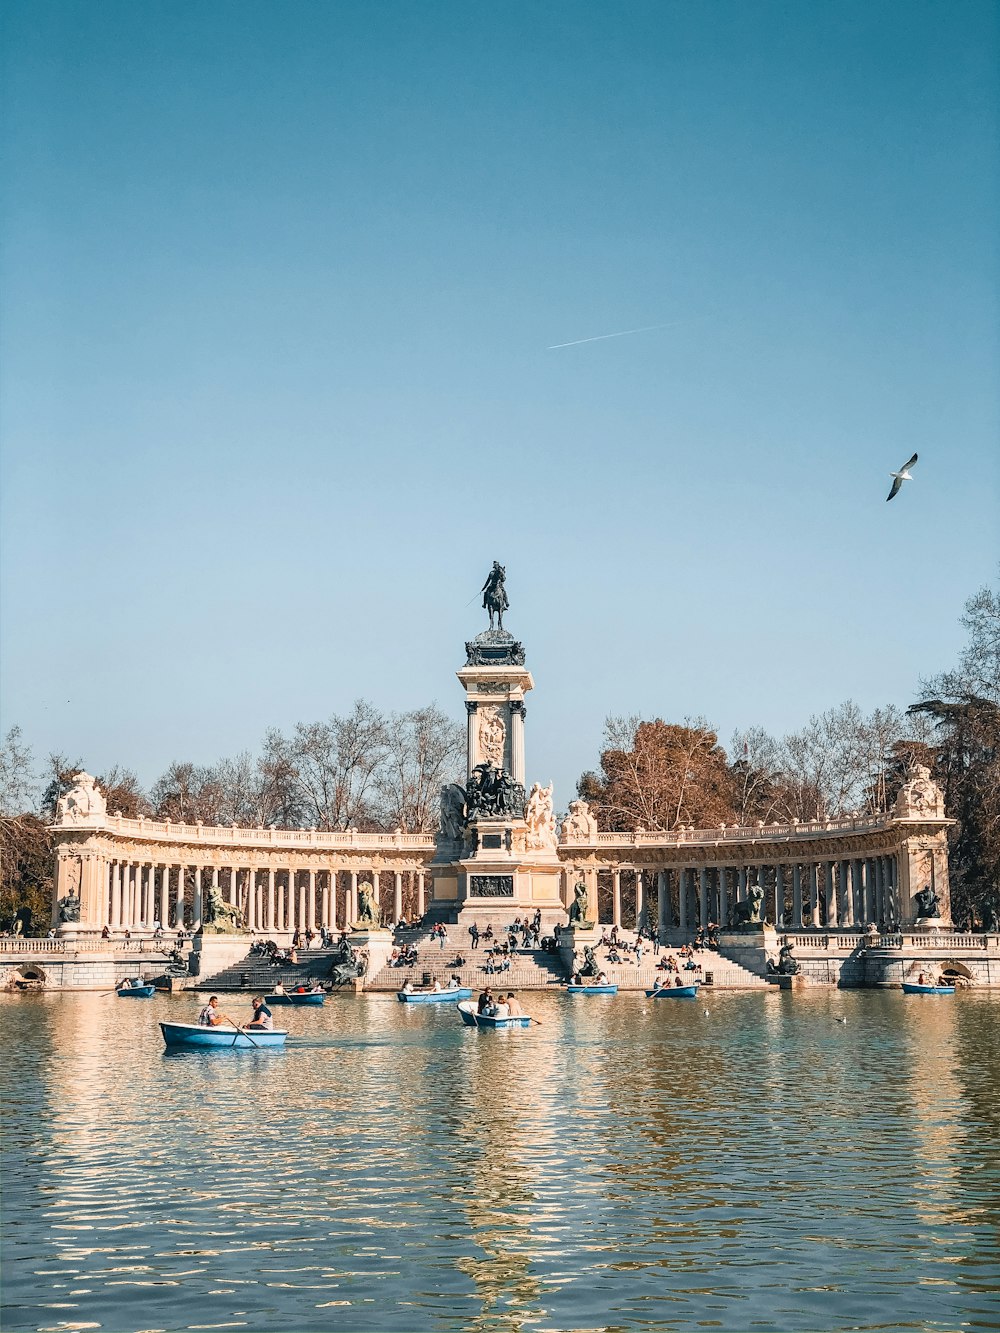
x,y
280,282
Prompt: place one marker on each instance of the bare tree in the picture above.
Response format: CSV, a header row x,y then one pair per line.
x,y
324,773
17,776
424,750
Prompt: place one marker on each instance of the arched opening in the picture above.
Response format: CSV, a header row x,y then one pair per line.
x,y
29,976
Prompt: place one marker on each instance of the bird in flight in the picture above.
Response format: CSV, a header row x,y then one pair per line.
x,y
899,477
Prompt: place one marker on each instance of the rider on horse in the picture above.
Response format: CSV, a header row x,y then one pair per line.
x,y
495,594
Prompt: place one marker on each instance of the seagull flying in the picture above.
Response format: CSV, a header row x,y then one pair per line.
x,y
899,477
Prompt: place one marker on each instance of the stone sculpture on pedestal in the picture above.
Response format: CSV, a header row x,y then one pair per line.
x,y
84,800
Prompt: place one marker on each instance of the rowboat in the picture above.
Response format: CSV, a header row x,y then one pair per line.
x,y
135,992
193,1034
610,989
434,996
674,992
913,988
297,997
474,1020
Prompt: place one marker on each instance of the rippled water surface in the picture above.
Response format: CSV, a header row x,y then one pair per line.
x,y
625,1165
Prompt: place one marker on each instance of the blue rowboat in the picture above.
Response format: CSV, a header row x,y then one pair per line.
x,y
193,1034
674,992
135,992
610,989
434,996
473,1020
300,997
912,988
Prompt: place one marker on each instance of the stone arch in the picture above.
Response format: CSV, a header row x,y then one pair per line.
x,y
951,967
27,976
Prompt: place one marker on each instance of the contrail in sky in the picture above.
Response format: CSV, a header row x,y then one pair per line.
x,y
648,328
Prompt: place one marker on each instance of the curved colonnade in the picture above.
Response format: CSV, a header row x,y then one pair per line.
x,y
130,874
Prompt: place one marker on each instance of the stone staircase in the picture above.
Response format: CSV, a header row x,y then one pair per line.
x,y
724,973
254,974
530,969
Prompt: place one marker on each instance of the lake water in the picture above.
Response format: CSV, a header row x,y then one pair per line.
x,y
627,1165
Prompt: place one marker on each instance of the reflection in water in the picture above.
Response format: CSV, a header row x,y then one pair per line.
x,y
625,1165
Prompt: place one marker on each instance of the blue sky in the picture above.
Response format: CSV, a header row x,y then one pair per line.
x,y
280,283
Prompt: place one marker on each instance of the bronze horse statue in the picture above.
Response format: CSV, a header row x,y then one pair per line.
x,y
495,594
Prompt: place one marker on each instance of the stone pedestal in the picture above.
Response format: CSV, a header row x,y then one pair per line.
x,y
573,940
491,864
929,925
377,941
213,953
750,947
798,982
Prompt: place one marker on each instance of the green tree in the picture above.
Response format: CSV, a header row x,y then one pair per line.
x,y
964,705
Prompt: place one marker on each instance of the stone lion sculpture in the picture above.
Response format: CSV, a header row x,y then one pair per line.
x,y
368,910
748,913
220,917
84,800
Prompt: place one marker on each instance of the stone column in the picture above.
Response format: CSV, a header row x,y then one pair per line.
x,y
703,897
311,901
518,713
796,897
741,885
470,708
723,897
376,892
662,904
397,894
831,894
892,891
179,897
843,897
779,897
351,906
640,898
116,893
814,893
616,897
682,893
270,917
421,908
196,908
857,895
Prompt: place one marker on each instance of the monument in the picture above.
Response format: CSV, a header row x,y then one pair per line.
x,y
497,849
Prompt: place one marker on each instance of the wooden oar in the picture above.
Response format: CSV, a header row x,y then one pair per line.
x,y
245,1033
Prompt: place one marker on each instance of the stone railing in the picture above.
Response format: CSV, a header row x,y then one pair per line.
x,y
158,830
85,944
27,944
681,837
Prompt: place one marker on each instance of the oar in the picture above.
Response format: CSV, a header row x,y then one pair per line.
x,y
239,1029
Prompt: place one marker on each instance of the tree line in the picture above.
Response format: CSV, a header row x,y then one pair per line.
x,y
374,771
365,770
658,775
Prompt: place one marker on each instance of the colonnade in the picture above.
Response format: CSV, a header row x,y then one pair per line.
x,y
834,893
139,895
